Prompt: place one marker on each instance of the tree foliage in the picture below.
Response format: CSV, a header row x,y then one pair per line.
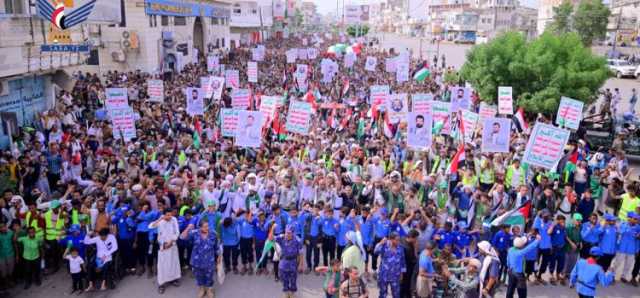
x,y
590,20
539,71
562,18
361,30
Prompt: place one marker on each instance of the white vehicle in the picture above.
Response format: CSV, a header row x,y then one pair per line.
x,y
637,74
621,68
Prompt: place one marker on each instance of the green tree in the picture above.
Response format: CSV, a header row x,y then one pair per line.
x,y
562,18
590,20
539,71
360,30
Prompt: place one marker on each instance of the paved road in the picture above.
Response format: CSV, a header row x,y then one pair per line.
x,y
309,286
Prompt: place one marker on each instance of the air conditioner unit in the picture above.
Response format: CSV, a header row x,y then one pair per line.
x,y
129,40
119,56
4,88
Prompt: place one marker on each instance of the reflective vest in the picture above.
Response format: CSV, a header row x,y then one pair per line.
x,y
53,232
75,219
34,225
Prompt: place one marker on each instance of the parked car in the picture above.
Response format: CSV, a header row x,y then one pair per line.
x,y
637,74
621,68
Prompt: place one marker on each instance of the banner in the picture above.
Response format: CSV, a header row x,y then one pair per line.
x,y
249,129
349,59
402,72
232,78
371,63
486,111
116,98
496,135
123,122
217,85
257,54
397,107
505,100
460,98
291,55
298,120
301,72
252,72
546,146
155,90
302,54
379,94
213,63
269,104
569,113
312,53
240,99
441,111
421,103
390,65
228,122
470,120
206,86
419,134
195,101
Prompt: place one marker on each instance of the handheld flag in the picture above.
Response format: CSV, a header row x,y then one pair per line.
x,y
422,75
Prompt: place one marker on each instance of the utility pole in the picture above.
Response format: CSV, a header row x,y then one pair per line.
x,y
615,34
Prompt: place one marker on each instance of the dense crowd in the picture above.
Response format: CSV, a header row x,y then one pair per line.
x,y
346,201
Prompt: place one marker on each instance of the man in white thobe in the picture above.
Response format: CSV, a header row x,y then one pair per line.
x,y
168,256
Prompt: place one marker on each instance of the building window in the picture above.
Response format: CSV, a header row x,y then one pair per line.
x,y
153,21
164,20
223,45
214,21
236,9
14,7
180,21
123,15
254,11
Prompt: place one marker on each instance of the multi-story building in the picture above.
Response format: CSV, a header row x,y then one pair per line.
x,y
624,22
251,21
545,13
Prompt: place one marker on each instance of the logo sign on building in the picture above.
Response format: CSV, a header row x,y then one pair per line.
x,y
546,146
155,90
356,14
505,100
116,98
569,113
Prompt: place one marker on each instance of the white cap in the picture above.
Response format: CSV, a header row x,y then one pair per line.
x,y
520,242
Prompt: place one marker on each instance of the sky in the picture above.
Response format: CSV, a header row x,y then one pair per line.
x,y
329,6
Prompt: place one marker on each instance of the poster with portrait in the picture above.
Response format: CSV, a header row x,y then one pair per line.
x,y
205,84
371,63
460,98
419,136
217,85
402,72
213,63
397,107
496,135
312,53
349,59
390,64
301,72
195,101
470,120
249,129
441,114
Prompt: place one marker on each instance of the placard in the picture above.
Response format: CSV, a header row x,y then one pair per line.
x,y
116,98
269,104
546,146
302,54
312,53
155,90
123,123
301,72
486,111
569,113
252,72
496,135
349,59
402,72
505,100
379,94
232,78
421,103
441,111
390,65
240,99
397,107
470,120
292,55
419,127
228,122
298,120
248,132
195,101
460,98
371,63
213,63
217,85
206,86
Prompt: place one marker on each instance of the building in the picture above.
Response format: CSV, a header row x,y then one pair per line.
x,y
545,13
37,60
624,22
251,22
162,35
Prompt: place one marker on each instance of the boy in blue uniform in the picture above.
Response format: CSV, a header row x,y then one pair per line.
x,y
311,227
230,235
608,241
261,231
462,241
247,224
444,236
542,223
590,233
330,227
627,247
502,241
126,225
587,274
364,220
558,236
515,263
346,225
185,246
381,226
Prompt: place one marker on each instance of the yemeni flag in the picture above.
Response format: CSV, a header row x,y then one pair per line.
x,y
520,122
456,160
278,126
514,217
345,120
345,88
311,98
331,120
389,128
422,74
197,132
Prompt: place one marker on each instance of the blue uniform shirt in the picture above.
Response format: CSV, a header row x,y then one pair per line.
x,y
246,228
366,229
609,239
545,238
316,225
261,231
329,226
590,233
586,275
231,234
126,226
628,243
515,257
558,236
381,227
501,241
445,237
426,263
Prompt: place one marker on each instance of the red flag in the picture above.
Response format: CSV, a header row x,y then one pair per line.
x,y
310,98
197,126
345,88
455,161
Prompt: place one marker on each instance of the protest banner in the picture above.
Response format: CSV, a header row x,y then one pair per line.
x,y
195,101
207,87
292,55
421,103
505,100
252,72
155,90
228,122
298,120
379,94
232,78
402,72
269,104
470,120
217,84
312,53
116,98
390,65
301,72
486,111
257,54
349,59
546,146
441,110
397,107
213,63
371,63
302,54
249,129
496,134
460,98
240,99
419,125
569,113
123,123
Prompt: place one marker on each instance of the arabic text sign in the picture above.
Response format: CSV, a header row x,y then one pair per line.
x,y
252,72
268,105
486,111
155,90
228,122
569,113
116,98
123,121
505,100
379,94
470,120
232,78
421,103
546,146
207,87
213,63
299,117
402,72
240,98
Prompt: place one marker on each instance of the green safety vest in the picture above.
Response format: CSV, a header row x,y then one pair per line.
x,y
34,224
53,231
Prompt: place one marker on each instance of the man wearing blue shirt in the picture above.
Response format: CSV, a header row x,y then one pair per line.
x,y
311,227
260,231
425,272
542,224
346,225
329,229
627,247
184,246
558,236
230,235
246,222
515,262
590,233
365,220
381,225
608,241
587,274
502,242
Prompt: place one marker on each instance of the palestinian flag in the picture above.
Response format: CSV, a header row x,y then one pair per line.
x,y
278,126
197,132
519,120
456,160
268,246
514,217
438,126
422,75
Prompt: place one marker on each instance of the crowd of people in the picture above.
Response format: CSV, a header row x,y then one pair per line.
x,y
345,201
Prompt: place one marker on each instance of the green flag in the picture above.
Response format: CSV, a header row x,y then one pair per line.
x,y
265,251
